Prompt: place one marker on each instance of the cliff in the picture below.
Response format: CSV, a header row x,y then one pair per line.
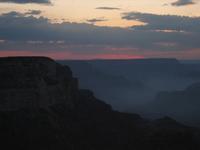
x,y
41,107
35,82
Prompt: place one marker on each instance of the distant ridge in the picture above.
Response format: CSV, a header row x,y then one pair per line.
x,y
134,60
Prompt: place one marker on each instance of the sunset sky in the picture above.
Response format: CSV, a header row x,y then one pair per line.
x,y
100,29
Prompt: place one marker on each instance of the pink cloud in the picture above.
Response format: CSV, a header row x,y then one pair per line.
x,y
113,54
68,55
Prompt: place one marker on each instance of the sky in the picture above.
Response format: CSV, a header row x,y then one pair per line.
x,y
100,29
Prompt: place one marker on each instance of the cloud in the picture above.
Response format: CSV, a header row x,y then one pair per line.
x,y
161,34
183,2
26,1
95,20
108,8
33,12
165,23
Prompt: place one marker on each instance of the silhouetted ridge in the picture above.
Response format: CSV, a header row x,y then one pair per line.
x,y
180,104
193,88
34,82
188,96
146,60
168,122
44,109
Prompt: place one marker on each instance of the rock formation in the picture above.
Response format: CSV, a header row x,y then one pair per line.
x,y
35,82
41,107
182,105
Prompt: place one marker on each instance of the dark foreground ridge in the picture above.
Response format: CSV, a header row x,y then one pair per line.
x,y
42,108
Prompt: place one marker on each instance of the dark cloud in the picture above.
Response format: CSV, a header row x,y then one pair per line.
x,y
25,32
94,20
33,12
108,8
183,2
26,1
165,22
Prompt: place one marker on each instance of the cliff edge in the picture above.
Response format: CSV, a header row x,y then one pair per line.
x,y
41,107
